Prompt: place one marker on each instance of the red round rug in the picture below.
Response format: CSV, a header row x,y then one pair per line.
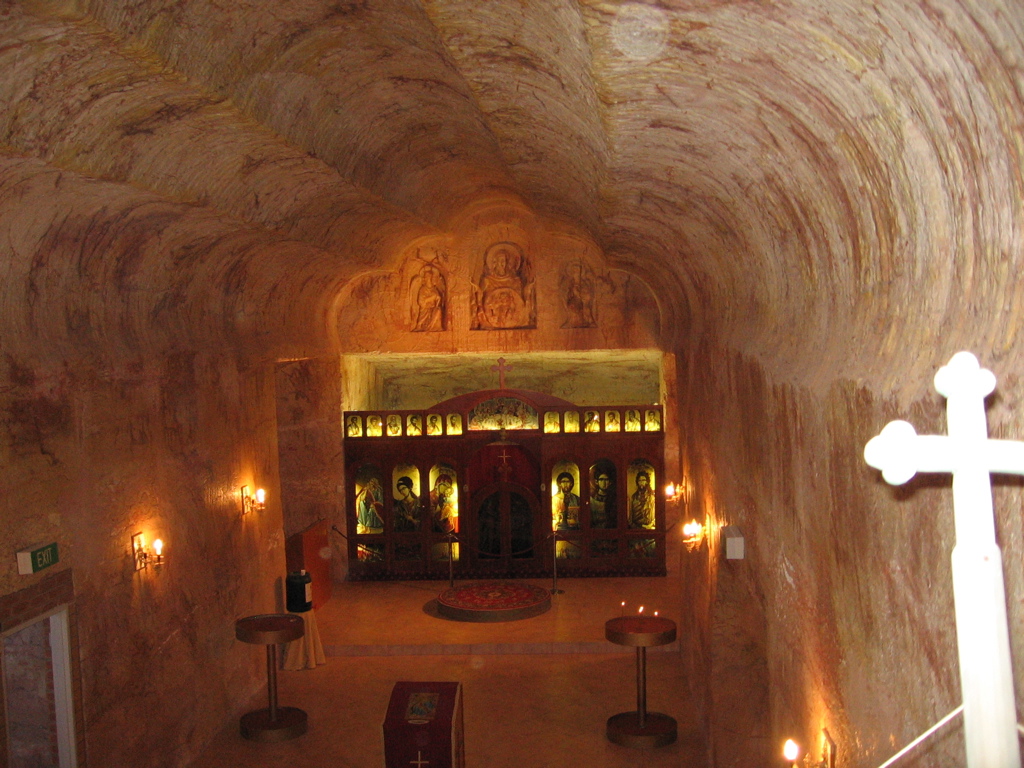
x,y
493,601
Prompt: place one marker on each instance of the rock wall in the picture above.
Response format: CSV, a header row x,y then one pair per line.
x,y
93,456
841,616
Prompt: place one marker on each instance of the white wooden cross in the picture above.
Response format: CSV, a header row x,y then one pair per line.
x,y
983,639
419,762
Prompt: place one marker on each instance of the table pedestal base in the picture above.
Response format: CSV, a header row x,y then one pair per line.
x,y
289,724
624,729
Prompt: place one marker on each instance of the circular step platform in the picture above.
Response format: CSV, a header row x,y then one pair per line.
x,y
493,601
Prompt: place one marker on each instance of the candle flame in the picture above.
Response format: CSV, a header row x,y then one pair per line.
x,y
641,609
790,750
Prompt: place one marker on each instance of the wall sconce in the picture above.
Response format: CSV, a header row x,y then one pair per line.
x,y
828,750
252,503
143,556
673,492
693,534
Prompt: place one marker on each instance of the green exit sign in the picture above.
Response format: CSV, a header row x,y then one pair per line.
x,y
35,559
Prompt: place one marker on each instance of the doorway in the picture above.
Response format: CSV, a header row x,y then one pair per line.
x,y
35,660
504,521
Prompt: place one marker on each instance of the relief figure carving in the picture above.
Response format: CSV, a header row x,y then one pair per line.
x,y
578,292
428,292
505,296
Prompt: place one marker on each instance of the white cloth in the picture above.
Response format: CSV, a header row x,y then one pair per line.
x,y
307,652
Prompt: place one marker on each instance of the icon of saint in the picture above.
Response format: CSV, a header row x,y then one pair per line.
x,y
565,504
641,503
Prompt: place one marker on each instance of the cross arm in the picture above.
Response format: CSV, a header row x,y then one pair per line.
x,y
901,453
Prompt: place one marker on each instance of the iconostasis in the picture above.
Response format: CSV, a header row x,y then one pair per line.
x,y
505,483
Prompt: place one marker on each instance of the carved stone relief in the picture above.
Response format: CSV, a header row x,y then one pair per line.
x,y
578,290
428,294
505,295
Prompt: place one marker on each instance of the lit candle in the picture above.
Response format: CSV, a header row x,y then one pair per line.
x,y
158,547
641,609
655,613
622,607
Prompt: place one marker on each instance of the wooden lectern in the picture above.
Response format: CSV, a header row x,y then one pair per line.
x,y
423,726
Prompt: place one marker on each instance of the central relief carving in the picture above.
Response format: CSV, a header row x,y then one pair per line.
x,y
505,295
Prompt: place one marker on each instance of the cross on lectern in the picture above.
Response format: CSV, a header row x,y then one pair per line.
x,y
501,368
983,639
419,762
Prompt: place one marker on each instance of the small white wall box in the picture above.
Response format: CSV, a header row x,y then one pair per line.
x,y
735,547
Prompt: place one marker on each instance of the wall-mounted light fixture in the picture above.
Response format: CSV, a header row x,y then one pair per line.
x,y
828,750
158,552
673,492
145,556
251,503
693,534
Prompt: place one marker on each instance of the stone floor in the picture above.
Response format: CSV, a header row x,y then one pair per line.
x,y
537,692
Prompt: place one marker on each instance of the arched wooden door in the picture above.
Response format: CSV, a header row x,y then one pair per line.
x,y
506,530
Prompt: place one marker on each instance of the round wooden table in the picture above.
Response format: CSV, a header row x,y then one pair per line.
x,y
273,723
641,728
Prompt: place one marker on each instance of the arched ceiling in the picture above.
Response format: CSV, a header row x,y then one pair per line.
x,y
816,183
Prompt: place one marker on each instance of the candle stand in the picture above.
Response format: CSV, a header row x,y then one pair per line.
x,y
641,729
273,723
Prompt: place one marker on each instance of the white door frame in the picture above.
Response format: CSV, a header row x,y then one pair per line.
x,y
63,692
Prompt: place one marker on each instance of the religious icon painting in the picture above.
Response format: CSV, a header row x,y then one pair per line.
x,y
652,423
571,420
642,548
604,511
444,499
354,426
568,549
591,421
374,426
394,425
611,421
413,425
370,553
435,424
552,423
408,552
642,496
632,421
439,551
454,424
421,707
369,500
604,548
565,499
406,508
503,413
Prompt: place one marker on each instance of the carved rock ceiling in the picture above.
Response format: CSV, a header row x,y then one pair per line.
x,y
818,184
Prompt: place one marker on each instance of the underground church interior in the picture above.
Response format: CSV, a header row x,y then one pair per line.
x,y
614,304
